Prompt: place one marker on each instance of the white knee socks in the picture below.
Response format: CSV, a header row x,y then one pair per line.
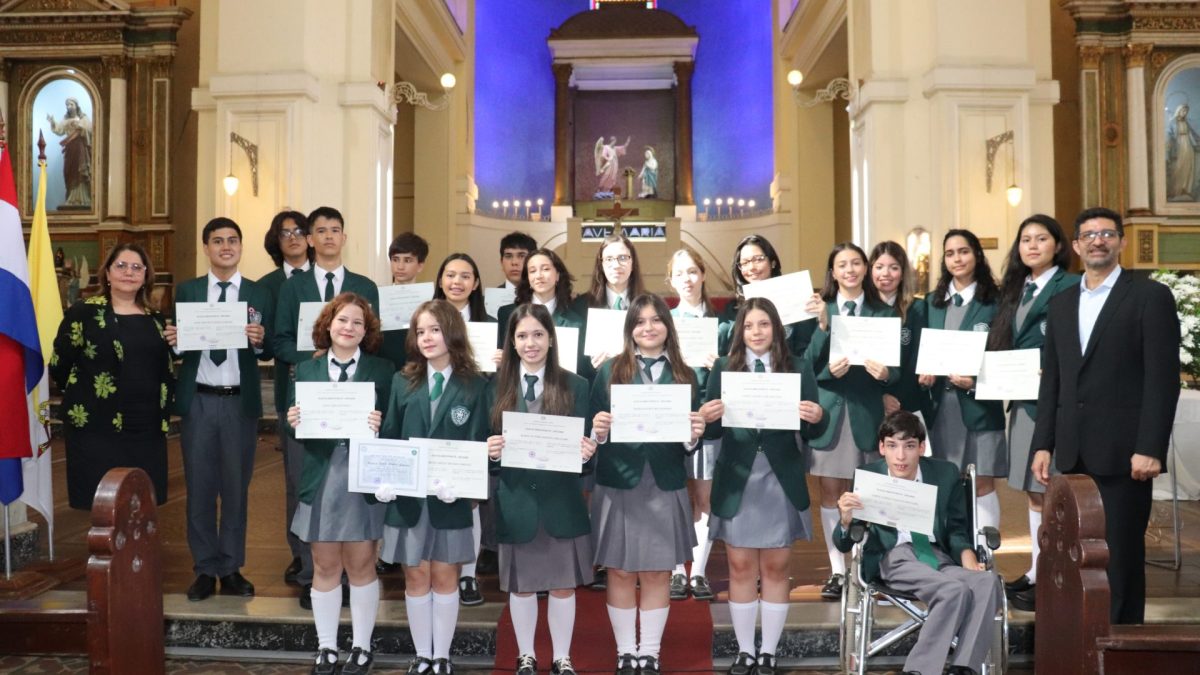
x,y
837,559
420,622
702,548
524,612
774,616
468,569
445,618
327,609
1035,522
364,605
560,612
653,621
744,615
624,625
988,507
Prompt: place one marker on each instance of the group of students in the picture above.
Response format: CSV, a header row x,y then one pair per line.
x,y
637,511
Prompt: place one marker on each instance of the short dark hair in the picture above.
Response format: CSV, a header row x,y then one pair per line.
x,y
216,224
271,239
326,212
407,242
1099,212
518,240
903,425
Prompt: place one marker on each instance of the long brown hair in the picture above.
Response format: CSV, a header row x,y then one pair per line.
x,y
454,332
830,290
597,296
142,298
904,293
781,361
557,397
687,250
322,340
562,289
625,368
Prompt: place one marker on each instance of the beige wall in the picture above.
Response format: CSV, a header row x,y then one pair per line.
x,y
184,76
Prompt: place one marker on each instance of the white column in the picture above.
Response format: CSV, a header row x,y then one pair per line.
x,y
1135,92
117,147
4,92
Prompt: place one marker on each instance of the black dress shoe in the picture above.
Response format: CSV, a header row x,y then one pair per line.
x,y
443,667
419,665
292,573
627,664
766,665
487,562
358,663
563,666
468,592
648,665
1025,600
700,588
326,663
201,588
743,664
382,567
832,590
236,584
1020,584
526,665
306,597
679,587
600,579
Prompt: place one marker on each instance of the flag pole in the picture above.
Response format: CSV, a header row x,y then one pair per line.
x,y
7,545
44,418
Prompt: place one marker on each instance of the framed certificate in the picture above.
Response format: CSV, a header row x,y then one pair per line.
x,y
546,442
401,465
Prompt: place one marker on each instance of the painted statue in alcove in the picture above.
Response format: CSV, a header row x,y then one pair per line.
x,y
649,176
607,156
76,132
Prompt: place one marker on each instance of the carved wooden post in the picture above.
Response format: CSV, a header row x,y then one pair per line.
x,y
125,604
1072,591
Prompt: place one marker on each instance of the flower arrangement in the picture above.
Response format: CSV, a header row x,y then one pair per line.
x,y
1186,289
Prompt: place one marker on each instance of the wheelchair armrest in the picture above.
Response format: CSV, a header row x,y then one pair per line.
x,y
858,531
991,536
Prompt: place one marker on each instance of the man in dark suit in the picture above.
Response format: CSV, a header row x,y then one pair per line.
x,y
1110,383
220,401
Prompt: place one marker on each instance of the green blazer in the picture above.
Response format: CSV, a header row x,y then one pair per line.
x,y
912,396
702,373
856,392
318,450
951,529
976,415
566,317
739,447
257,298
273,282
407,416
619,465
1032,333
798,335
527,497
302,287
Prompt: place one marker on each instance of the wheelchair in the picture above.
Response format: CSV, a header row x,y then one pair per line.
x,y
859,599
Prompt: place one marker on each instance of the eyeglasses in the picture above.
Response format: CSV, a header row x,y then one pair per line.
x,y
121,265
1106,235
291,234
752,260
616,259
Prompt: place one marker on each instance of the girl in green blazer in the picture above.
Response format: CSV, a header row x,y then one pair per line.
x,y
439,394
964,430
641,516
853,395
546,281
755,259
541,517
341,527
1034,272
616,279
892,279
760,498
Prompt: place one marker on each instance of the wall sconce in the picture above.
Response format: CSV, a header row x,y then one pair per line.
x,y
231,182
919,248
1014,192
406,92
838,87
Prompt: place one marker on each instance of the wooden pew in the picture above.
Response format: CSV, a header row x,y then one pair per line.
x,y
1073,634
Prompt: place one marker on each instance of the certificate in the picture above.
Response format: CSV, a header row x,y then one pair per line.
x,y
335,409
482,336
546,442
605,332
401,465
211,325
568,346
495,298
697,339
865,337
1010,376
651,413
761,400
951,352
309,311
789,293
398,302
895,502
460,466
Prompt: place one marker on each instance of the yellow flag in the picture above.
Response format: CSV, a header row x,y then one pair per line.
x,y
43,282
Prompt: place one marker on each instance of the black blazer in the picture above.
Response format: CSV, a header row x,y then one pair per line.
x,y
1118,396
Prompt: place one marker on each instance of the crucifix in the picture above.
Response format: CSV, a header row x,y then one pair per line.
x,y
617,213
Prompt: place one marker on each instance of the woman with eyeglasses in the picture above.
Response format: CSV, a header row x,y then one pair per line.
x,y
616,280
117,377
755,259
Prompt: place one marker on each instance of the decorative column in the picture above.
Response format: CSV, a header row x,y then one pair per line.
x,y
1136,136
683,132
118,137
562,134
1089,113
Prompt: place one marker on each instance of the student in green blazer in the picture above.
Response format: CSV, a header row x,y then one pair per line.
x,y
546,281
641,515
220,401
965,430
406,257
892,279
755,259
853,395
342,527
1034,272
542,522
616,280
760,498
439,394
942,570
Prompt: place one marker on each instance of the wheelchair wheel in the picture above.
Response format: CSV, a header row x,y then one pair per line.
x,y
851,627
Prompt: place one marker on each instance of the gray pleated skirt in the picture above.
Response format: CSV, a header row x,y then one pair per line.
x,y
644,529
953,442
410,545
337,514
1020,453
766,518
701,463
842,456
546,563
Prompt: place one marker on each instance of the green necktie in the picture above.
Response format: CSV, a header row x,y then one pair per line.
x,y
294,272
759,367
957,299
217,356
436,392
923,548
531,380
1030,287
849,307
647,363
345,367
620,303
328,286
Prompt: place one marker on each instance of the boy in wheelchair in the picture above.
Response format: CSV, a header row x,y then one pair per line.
x,y
942,571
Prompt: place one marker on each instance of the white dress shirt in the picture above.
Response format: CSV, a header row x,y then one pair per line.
x,y
905,536
1091,301
335,371
610,296
1044,278
550,304
339,275
537,386
858,303
227,374
968,293
287,271
751,357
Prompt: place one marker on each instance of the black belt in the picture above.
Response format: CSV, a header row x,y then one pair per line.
x,y
218,391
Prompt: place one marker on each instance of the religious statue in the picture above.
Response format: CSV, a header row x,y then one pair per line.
x,y
1183,144
76,130
649,176
607,165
